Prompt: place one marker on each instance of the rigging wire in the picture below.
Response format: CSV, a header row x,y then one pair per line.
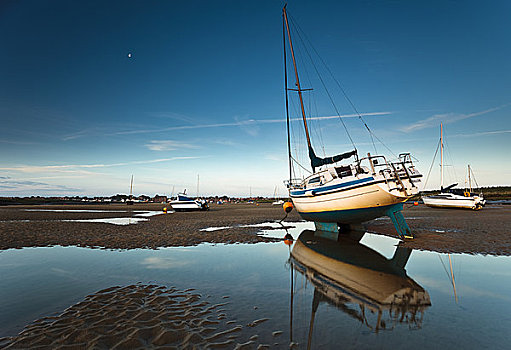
x,y
474,176
371,133
314,125
298,145
322,82
431,166
301,166
451,159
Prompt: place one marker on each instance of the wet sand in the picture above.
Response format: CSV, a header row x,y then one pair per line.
x,y
135,317
444,230
486,231
46,228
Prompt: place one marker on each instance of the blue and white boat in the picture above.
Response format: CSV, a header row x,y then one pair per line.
x,y
185,203
345,194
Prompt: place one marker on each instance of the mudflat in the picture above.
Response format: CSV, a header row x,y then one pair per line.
x,y
486,231
444,230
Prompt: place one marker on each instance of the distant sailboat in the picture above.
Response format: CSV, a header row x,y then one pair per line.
x,y
276,200
339,195
450,197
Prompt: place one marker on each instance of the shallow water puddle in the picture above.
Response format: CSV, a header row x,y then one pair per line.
x,y
138,217
377,293
271,229
78,210
113,221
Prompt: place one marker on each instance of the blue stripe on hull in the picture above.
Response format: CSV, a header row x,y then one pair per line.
x,y
349,216
320,189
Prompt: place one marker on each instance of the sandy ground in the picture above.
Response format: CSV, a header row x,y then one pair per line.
x,y
487,231
20,228
444,230
137,317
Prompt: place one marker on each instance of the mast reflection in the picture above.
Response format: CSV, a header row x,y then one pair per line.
x,y
358,281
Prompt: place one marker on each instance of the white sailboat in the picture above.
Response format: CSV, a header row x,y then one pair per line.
x,y
337,195
276,200
450,197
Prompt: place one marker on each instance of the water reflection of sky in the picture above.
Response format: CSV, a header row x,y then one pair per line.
x,y
37,282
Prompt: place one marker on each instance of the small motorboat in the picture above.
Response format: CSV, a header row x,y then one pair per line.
x,y
185,203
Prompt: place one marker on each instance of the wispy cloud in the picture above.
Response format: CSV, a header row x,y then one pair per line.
x,y
483,133
17,142
24,185
225,142
236,123
244,123
274,157
168,145
446,118
69,167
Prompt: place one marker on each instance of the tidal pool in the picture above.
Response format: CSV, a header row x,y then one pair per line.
x,y
359,292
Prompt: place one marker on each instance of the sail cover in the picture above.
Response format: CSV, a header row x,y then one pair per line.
x,y
317,161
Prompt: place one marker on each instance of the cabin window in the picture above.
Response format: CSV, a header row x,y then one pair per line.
x,y
343,171
314,180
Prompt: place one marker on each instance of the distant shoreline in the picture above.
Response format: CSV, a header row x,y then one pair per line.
x,y
493,193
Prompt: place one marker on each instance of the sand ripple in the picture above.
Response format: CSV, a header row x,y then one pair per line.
x,y
134,317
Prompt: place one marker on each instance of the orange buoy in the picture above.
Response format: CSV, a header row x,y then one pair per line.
x,y
416,203
288,239
288,206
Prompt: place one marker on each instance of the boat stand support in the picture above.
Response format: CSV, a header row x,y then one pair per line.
x,y
402,228
331,230
328,230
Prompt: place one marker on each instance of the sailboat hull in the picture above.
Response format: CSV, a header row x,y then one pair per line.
x,y
347,206
453,201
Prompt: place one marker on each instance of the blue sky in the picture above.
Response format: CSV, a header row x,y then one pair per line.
x,y
202,92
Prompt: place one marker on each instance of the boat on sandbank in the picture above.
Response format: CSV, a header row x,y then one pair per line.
x,y
336,195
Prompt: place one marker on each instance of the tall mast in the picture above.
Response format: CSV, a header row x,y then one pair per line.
x,y
441,158
287,102
299,89
131,187
469,180
197,185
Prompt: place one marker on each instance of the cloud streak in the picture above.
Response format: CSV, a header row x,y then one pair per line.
x,y
446,118
168,145
69,167
23,185
237,123
483,133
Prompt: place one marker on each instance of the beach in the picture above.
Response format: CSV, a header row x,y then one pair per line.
x,y
442,230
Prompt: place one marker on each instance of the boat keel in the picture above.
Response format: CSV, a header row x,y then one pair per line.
x,y
402,228
331,230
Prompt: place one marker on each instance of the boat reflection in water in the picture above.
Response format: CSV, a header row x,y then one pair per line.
x,y
358,281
